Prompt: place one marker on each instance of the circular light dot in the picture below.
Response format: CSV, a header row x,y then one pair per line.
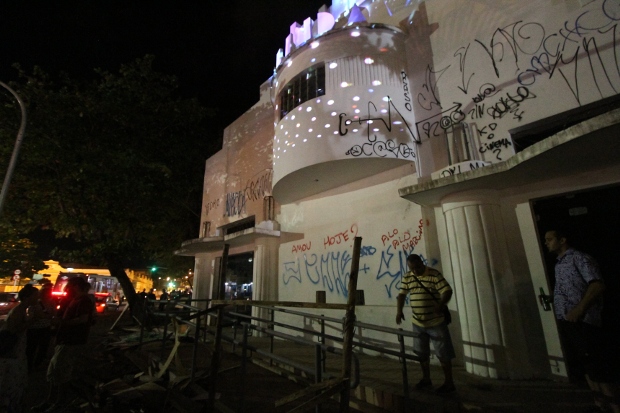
x,y
330,102
386,99
354,130
313,59
293,145
369,60
297,135
376,130
281,126
318,136
298,125
371,90
356,98
334,113
284,150
310,130
335,132
314,45
345,84
305,140
286,132
293,117
327,125
397,122
309,109
290,62
318,101
300,108
313,118
383,110
370,122
357,111
355,33
376,82
333,65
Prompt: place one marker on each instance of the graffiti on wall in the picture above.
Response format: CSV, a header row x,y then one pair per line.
x,y
498,75
329,269
255,189
374,122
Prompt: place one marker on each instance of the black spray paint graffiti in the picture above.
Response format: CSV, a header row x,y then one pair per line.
x,y
429,97
406,93
455,170
255,189
211,205
374,146
510,103
436,125
496,147
575,46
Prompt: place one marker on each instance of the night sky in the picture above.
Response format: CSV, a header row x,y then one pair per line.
x,y
221,51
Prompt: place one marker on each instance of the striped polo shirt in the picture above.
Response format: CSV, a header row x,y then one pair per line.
x,y
422,303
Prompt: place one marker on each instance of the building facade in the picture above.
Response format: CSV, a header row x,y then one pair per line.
x,y
456,130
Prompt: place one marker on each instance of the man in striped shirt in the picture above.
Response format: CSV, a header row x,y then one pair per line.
x,y
428,294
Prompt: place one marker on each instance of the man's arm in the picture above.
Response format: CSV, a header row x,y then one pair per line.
x,y
400,303
594,291
443,300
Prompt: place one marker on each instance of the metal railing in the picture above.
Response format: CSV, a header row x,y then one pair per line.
x,y
196,319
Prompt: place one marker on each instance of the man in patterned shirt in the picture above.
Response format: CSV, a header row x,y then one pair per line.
x,y
577,303
428,294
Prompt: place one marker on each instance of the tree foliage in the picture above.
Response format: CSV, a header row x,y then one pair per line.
x,y
17,253
115,165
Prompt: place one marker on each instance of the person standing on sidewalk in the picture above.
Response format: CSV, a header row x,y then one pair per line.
x,y
578,303
73,321
13,363
40,331
428,294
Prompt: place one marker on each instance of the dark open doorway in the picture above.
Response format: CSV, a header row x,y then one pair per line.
x,y
593,222
238,284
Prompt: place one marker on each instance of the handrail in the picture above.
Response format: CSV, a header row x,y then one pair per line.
x,y
201,314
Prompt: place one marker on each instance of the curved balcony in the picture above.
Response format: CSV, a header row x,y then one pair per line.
x,y
343,111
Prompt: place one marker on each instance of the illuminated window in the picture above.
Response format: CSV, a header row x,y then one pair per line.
x,y
307,85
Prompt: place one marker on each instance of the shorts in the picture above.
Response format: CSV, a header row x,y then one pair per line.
x,y
442,342
63,363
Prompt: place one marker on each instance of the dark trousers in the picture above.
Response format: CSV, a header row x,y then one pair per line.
x,y
585,345
37,343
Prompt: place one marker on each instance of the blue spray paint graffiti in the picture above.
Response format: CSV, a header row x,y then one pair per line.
x,y
331,270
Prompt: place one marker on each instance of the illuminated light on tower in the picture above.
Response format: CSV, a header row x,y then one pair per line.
x,y
356,15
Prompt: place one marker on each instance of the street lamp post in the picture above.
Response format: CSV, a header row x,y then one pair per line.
x,y
18,142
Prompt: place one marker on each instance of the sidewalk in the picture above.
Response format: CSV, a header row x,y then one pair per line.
x,y
381,386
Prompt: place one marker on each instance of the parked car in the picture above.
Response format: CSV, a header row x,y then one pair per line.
x,y
7,302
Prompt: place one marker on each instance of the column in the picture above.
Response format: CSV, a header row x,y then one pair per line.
x,y
480,262
265,281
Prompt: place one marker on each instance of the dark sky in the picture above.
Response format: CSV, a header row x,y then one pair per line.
x,y
221,51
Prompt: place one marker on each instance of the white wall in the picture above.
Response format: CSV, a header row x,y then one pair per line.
x,y
390,227
502,64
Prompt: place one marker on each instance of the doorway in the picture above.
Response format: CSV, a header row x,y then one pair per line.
x,y
593,222
238,284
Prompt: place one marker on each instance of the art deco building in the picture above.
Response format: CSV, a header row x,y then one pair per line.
x,y
458,130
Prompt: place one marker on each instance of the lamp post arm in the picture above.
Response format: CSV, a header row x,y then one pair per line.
x,y
18,142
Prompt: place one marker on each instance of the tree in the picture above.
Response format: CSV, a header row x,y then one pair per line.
x,y
17,253
115,165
